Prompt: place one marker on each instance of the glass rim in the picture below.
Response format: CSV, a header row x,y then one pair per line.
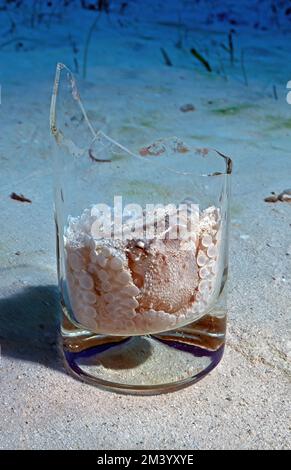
x,y
97,135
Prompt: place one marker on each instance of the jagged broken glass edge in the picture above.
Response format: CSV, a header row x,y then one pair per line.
x,y
173,142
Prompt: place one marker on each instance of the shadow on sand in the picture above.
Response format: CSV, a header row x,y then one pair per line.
x,y
29,325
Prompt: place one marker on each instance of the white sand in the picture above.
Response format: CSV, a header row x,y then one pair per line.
x,y
244,402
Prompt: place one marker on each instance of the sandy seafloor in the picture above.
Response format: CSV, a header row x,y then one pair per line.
x,y
135,97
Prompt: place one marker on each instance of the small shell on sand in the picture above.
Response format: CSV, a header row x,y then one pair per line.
x,y
272,198
185,108
284,196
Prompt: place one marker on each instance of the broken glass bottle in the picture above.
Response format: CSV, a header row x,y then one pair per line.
x,y
142,247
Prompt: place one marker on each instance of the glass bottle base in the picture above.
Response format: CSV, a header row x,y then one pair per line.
x,y
148,364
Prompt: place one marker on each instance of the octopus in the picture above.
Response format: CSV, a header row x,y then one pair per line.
x,y
138,286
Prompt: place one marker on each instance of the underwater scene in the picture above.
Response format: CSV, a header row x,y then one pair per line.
x,y
145,190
